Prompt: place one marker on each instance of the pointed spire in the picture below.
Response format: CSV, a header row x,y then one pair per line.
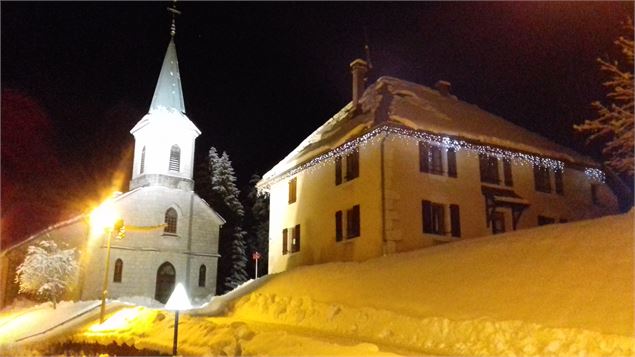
x,y
168,93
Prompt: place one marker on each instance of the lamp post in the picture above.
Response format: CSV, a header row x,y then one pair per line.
x,y
105,218
178,301
118,227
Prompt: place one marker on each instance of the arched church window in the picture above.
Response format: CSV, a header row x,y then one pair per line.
x,y
175,158
170,220
202,272
143,160
118,271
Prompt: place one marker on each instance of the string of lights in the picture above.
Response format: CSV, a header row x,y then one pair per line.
x,y
410,135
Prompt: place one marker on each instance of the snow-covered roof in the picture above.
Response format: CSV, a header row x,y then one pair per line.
x,y
416,107
168,93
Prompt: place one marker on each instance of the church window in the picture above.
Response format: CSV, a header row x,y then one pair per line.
x,y
143,160
118,271
170,220
202,272
175,158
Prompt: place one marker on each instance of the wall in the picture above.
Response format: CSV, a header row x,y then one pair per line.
x,y
318,198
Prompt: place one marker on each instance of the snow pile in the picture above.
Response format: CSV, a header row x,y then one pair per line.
x,y
557,290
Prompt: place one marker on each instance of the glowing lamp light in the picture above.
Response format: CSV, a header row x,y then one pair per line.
x,y
104,216
179,300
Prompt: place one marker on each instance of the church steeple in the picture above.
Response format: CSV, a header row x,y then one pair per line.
x,y
164,138
168,93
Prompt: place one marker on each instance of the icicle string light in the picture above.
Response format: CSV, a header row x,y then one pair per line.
x,y
403,134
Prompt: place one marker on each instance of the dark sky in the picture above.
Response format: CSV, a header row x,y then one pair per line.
x,y
259,77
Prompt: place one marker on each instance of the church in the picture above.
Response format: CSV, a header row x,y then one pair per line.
x,y
171,234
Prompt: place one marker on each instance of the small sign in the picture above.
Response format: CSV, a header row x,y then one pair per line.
x,y
255,256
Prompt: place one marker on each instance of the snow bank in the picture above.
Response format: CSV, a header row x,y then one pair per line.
x,y
559,290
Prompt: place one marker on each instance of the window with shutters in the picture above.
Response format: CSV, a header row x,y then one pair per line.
x,y
434,218
293,186
171,218
559,182
431,159
542,179
507,172
142,164
202,275
175,158
118,271
488,166
347,169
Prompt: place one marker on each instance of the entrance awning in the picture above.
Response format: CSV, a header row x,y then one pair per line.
x,y
496,196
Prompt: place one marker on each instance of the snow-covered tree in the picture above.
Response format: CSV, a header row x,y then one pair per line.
x,y
238,274
216,183
257,224
614,123
47,271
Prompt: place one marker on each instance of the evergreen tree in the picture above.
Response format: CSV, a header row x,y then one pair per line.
x,y
238,274
257,225
216,183
614,123
47,271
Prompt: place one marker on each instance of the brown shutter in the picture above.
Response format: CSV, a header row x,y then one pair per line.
x,y
338,170
455,220
338,226
559,183
355,164
424,157
482,164
426,209
356,221
507,172
284,241
296,238
451,162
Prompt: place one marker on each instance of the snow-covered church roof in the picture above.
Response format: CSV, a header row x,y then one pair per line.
x,y
402,104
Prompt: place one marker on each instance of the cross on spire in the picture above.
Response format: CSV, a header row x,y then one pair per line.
x,y
172,9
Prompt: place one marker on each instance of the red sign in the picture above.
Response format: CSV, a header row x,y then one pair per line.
x,y
255,256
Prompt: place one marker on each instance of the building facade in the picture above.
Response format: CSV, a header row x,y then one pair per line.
x,y
171,234
405,166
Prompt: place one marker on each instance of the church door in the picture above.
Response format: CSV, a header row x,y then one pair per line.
x,y
165,282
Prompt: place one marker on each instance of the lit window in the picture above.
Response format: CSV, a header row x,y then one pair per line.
x,y
175,158
118,271
170,221
143,160
202,273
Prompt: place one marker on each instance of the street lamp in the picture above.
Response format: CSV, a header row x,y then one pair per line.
x,y
178,301
105,218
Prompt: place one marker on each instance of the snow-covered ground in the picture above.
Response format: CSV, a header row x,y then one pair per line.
x,y
563,289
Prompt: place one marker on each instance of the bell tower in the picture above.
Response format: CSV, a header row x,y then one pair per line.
x,y
164,138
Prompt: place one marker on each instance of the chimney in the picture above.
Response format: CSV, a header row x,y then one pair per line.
x,y
443,87
359,68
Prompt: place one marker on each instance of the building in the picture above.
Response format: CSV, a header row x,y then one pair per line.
x,y
171,234
405,166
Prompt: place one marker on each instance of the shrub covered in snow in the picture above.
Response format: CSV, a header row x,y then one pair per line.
x,y
47,271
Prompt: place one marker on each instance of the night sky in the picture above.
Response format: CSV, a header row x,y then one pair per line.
x,y
260,77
